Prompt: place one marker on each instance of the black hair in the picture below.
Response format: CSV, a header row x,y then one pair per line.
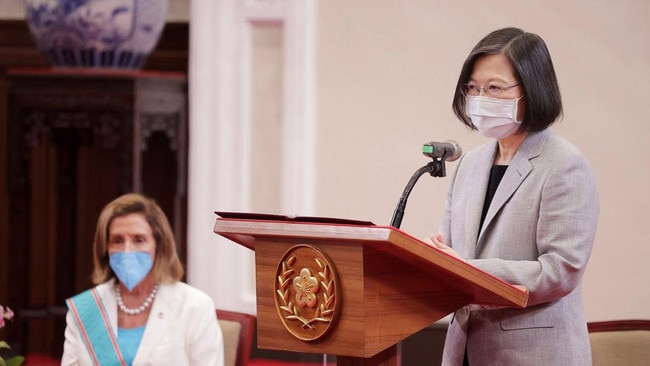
x,y
534,71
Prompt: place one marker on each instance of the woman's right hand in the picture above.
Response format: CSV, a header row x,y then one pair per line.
x,y
438,241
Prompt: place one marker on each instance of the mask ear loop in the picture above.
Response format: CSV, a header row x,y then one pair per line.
x,y
517,110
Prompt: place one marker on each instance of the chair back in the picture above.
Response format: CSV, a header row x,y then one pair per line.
x,y
238,330
620,342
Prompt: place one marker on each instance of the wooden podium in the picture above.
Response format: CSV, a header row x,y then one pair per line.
x,y
373,286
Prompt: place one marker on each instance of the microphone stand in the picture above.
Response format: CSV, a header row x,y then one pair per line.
x,y
436,168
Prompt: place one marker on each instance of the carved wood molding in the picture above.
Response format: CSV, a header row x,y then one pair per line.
x,y
106,125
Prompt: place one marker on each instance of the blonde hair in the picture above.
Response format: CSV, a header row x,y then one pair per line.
x,y
167,266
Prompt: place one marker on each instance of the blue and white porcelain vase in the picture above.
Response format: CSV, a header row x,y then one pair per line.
x,y
96,33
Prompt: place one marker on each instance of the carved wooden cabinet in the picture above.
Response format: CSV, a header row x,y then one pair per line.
x,y
78,138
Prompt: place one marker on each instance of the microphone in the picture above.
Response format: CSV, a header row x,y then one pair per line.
x,y
446,151
439,152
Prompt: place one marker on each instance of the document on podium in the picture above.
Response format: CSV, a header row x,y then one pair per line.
x,y
298,219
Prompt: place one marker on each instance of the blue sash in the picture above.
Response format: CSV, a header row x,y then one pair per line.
x,y
95,328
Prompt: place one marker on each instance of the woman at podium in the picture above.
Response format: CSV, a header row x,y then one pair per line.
x,y
522,207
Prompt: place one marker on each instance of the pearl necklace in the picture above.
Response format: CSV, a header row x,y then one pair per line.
x,y
140,309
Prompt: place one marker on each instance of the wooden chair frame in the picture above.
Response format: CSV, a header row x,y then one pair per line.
x,y
246,334
618,325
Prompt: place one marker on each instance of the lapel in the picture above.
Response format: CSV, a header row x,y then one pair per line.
x,y
517,171
480,174
159,321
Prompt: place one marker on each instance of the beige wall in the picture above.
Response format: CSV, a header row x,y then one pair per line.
x,y
12,9
385,80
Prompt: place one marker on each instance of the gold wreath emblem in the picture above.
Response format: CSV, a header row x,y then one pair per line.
x,y
306,292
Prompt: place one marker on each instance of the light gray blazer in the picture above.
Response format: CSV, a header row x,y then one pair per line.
x,y
538,232
182,329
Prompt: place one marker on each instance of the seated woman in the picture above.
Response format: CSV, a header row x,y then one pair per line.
x,y
139,313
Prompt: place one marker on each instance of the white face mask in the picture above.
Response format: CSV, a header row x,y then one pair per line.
x,y
493,117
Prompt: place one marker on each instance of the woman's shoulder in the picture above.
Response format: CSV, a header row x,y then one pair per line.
x,y
561,144
547,147
102,289
187,293
560,158
562,153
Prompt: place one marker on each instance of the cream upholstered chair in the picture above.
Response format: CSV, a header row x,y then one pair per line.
x,y
237,329
620,342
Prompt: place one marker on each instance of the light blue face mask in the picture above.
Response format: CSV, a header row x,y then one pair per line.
x,y
130,267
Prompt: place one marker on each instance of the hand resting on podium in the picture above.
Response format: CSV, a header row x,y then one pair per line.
x,y
437,241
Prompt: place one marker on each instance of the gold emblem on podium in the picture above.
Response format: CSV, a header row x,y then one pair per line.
x,y
306,292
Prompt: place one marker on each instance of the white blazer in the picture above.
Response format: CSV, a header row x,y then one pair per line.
x,y
182,329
